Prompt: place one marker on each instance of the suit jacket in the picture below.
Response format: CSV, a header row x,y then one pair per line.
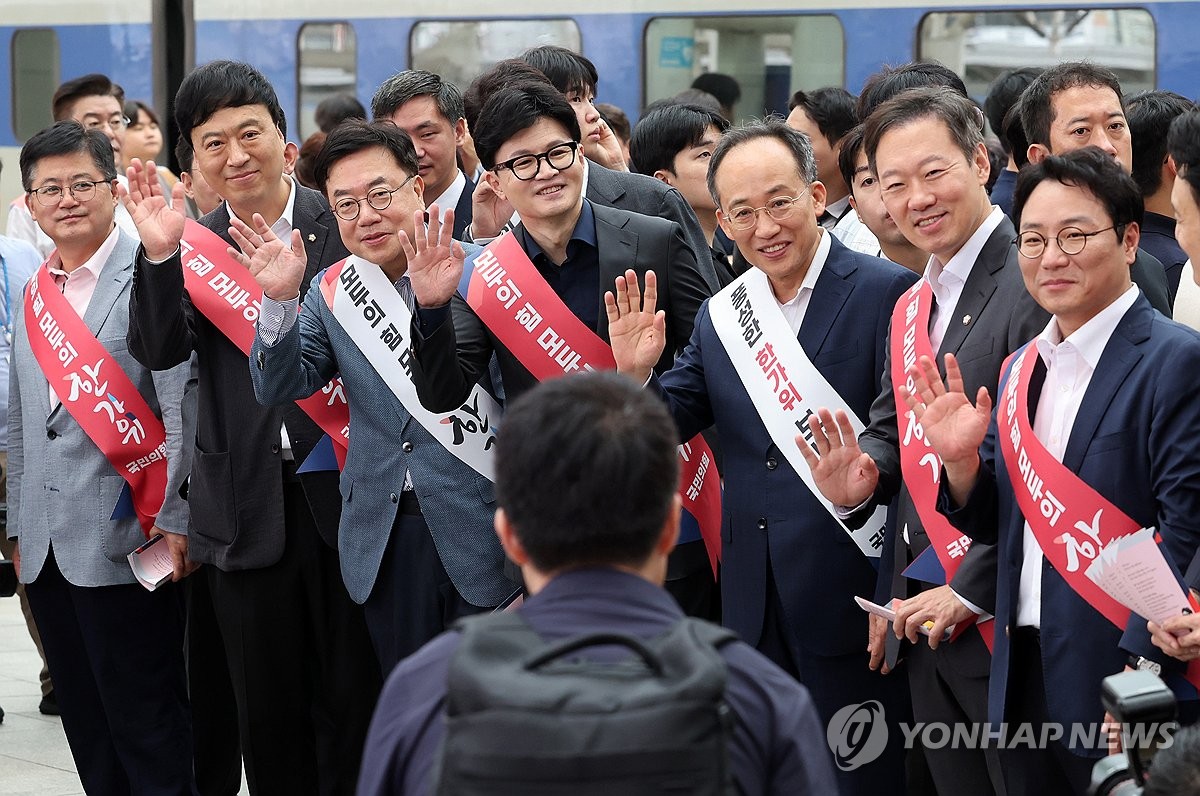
x,y
458,503
639,193
1133,442
1149,274
463,211
769,515
236,489
1002,317
61,488
451,358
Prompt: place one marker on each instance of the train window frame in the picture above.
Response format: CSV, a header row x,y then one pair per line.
x,y
540,20
15,85
300,86
828,14
918,37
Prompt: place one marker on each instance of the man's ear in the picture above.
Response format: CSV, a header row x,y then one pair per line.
x,y
1037,153
494,182
818,197
669,535
460,131
291,154
664,176
509,541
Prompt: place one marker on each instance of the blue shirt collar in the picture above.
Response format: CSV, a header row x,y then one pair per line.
x,y
585,231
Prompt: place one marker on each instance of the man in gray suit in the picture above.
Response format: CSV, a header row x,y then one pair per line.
x,y
416,540
115,649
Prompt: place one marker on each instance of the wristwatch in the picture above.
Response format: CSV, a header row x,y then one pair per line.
x,y
1143,664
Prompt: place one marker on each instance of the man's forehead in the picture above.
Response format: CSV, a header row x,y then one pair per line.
x,y
95,105
1052,203
420,110
1101,100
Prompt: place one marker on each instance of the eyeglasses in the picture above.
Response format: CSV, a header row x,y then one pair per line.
x,y
116,123
378,198
81,191
779,208
526,167
1070,240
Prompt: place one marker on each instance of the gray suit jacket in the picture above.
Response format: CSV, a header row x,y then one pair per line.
x,y
458,503
61,488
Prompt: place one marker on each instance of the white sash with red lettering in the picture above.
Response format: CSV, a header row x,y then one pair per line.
x,y
758,340
99,395
532,321
225,293
377,319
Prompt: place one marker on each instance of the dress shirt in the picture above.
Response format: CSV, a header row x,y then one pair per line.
x,y
18,261
1186,309
949,279
1070,364
450,197
834,211
795,308
577,278
79,285
854,233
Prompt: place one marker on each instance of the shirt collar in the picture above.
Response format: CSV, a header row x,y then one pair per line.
x,y
289,209
1091,338
838,208
959,267
453,193
94,264
814,269
585,231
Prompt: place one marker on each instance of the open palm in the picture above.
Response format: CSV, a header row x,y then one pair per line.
x,y
435,259
278,266
954,427
159,222
637,330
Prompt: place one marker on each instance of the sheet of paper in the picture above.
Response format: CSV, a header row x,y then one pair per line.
x,y
890,615
1133,571
151,563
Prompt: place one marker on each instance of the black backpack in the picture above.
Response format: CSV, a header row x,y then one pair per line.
x,y
524,716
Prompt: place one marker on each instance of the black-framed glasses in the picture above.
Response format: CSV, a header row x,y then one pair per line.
x,y
526,167
1070,240
378,198
81,191
779,208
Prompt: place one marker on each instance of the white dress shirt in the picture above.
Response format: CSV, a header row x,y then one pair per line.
x,y
794,308
451,196
949,279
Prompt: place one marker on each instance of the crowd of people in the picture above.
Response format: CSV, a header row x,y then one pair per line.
x,y
897,342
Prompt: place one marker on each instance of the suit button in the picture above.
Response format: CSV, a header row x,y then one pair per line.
x,y
1007,630
407,447
51,434
762,523
395,498
275,447
771,463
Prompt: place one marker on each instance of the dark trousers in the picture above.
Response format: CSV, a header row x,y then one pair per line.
x,y
413,598
300,661
834,682
116,656
1055,769
218,754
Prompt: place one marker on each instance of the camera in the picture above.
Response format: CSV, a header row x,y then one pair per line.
x,y
1139,701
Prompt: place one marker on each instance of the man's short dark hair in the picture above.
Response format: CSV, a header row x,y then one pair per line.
x,y
1014,134
586,471
184,154
404,86
1150,114
961,116
355,135
1093,171
616,120
516,108
892,80
772,127
851,147
566,70
93,85
1037,113
67,137
224,84
1003,95
1177,767
1183,142
334,110
663,133
504,73
831,109
724,87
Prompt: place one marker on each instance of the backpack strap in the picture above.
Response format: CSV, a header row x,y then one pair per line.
x,y
710,633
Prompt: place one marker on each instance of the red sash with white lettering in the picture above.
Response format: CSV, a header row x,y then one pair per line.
x,y
524,312
225,293
98,394
920,467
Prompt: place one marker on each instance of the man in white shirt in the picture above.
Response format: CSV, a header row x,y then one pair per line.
x,y
1111,398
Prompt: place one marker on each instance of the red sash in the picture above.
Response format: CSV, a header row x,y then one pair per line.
x,y
98,394
920,466
225,293
521,309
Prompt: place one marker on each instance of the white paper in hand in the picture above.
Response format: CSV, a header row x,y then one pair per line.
x,y
151,563
1133,571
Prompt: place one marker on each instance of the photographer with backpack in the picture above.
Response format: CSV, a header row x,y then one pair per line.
x,y
597,684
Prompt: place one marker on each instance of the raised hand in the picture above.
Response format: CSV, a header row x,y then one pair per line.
x,y
845,475
489,211
159,222
435,262
607,151
953,426
277,266
636,330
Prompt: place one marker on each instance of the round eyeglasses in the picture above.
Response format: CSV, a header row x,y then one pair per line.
x,y
1070,240
779,208
81,191
526,167
378,198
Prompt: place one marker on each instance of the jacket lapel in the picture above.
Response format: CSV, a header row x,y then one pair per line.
x,y
979,288
117,271
828,297
618,249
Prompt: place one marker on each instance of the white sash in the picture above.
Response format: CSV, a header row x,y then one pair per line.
x,y
377,319
759,341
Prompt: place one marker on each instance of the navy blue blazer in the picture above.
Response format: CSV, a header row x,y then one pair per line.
x,y
768,512
1134,441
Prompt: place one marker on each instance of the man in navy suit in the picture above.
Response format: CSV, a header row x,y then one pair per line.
x,y
1112,399
430,110
416,540
790,572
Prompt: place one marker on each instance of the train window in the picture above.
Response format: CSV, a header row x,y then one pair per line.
x,y
982,45
327,64
459,51
769,56
35,76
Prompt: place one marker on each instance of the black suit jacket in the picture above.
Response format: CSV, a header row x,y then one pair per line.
x,y
235,492
462,211
450,359
1148,273
639,193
